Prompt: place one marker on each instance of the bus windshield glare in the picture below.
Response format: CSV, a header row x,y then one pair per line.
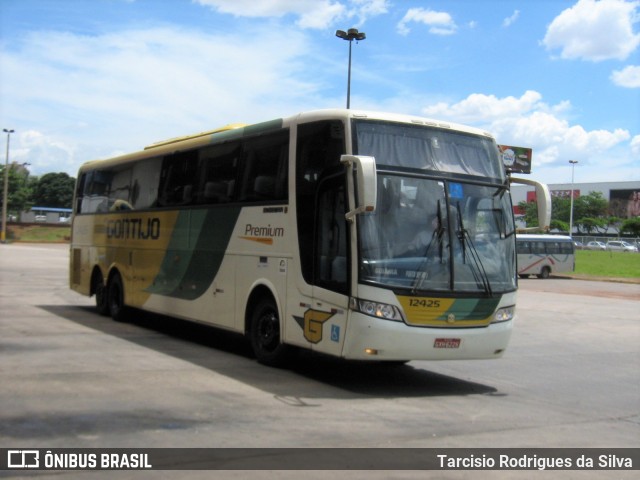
x,y
430,232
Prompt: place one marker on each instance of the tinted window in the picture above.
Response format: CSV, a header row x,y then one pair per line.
x,y
265,168
320,145
178,179
219,170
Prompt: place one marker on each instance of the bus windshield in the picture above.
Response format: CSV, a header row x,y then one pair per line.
x,y
440,235
428,148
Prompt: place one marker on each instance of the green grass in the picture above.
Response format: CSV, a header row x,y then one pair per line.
x,y
38,233
608,264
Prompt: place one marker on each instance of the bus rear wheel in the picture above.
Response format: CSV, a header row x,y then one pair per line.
x,y
265,334
100,291
115,299
544,273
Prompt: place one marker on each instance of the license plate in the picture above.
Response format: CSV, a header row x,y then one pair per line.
x,y
446,343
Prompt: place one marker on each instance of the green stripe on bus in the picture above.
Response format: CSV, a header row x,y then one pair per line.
x,y
195,252
472,308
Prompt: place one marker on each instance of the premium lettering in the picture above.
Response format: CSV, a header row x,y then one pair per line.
x,y
267,231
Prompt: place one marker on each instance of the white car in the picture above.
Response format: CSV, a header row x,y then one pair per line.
x,y
595,246
620,246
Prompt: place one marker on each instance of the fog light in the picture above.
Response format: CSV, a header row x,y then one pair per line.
x,y
370,351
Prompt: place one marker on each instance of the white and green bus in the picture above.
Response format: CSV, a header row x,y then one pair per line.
x,y
542,255
355,234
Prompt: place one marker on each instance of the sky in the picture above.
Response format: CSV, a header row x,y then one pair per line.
x,y
82,80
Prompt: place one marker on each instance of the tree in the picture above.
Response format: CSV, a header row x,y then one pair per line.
x,y
631,226
589,225
54,190
589,213
561,209
592,205
530,210
614,223
19,191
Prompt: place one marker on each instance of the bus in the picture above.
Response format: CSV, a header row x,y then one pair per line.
x,y
542,255
361,235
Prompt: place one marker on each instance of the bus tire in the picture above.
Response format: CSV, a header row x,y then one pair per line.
x,y
544,273
100,291
115,298
264,334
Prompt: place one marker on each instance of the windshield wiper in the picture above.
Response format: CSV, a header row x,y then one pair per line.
x,y
475,265
436,236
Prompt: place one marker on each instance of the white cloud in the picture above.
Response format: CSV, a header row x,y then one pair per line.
x,y
595,30
507,22
628,77
44,153
263,8
635,145
314,14
439,23
82,97
528,121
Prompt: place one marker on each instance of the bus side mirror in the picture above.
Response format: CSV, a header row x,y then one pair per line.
x,y
366,184
543,199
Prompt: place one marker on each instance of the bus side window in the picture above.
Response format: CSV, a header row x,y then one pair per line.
x,y
95,198
566,247
179,174
553,247
80,192
219,170
537,248
120,190
146,178
265,168
523,246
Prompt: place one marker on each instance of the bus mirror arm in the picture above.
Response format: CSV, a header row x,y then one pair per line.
x,y
543,199
365,183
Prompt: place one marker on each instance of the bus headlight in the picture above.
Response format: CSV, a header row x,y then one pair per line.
x,y
504,314
379,310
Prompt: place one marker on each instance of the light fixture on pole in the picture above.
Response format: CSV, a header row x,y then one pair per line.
x,y
350,35
5,194
573,164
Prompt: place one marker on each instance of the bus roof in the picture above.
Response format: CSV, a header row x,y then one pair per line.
x,y
533,236
238,130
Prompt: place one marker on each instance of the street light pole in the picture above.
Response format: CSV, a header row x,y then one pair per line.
x,y
5,194
573,164
350,35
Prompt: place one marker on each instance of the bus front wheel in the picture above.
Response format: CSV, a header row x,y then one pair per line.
x,y
265,334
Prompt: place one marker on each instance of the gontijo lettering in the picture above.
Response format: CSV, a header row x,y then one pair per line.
x,y
134,229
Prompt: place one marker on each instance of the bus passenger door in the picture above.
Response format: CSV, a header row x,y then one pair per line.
x,y
326,325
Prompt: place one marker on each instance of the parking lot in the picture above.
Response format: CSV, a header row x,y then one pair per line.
x,y
71,378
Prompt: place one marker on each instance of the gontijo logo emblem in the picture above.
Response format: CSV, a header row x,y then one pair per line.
x,y
23,459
